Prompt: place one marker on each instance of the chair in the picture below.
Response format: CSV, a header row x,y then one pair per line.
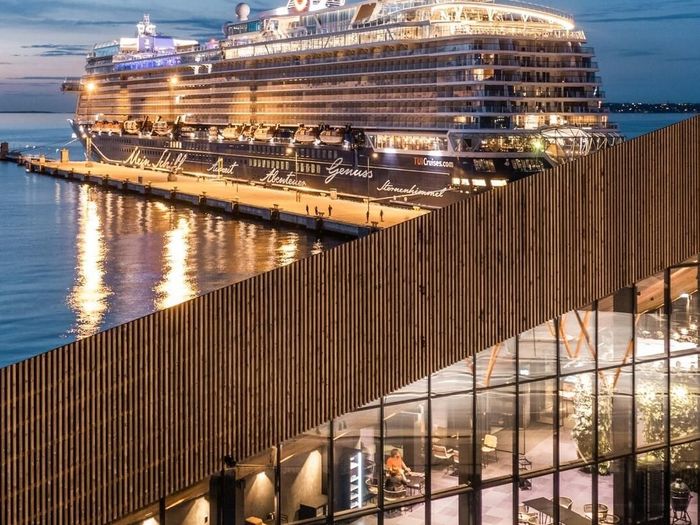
x,y
444,456
567,503
602,511
372,487
611,518
489,446
394,495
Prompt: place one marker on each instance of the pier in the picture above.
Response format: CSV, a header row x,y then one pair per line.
x,y
309,209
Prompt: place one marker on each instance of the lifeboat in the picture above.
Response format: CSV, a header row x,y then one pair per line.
x,y
188,132
332,136
113,128
213,133
264,133
161,128
306,135
248,131
97,127
131,127
231,132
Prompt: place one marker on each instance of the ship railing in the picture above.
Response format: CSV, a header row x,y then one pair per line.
x,y
411,4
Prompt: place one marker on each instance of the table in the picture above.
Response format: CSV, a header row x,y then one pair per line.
x,y
566,516
416,482
313,506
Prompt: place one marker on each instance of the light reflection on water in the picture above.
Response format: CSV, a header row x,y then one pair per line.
x,y
88,298
83,259
178,284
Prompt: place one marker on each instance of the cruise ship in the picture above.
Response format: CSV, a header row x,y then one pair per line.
x,y
410,102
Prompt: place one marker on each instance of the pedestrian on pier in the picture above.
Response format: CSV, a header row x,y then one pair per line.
x,y
381,215
307,209
330,209
367,214
315,210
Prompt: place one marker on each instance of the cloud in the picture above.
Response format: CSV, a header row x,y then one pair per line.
x,y
59,50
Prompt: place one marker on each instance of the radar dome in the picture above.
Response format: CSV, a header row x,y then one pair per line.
x,y
242,11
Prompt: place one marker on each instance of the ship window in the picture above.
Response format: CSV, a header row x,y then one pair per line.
x,y
486,165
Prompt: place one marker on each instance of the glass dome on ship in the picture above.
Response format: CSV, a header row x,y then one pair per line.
x,y
416,101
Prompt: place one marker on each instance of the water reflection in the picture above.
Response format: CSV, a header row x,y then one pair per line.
x,y
178,283
88,297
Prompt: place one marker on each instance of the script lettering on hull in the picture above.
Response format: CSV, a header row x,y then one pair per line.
x,y
337,168
273,177
413,190
224,170
167,160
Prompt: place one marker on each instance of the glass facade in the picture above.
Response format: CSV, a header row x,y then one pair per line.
x,y
591,416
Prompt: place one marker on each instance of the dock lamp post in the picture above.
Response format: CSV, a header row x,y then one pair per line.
x,y
374,156
89,89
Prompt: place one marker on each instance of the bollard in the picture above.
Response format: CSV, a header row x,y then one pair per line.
x,y
203,199
147,188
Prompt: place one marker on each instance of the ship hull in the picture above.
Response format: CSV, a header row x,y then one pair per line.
x,y
356,173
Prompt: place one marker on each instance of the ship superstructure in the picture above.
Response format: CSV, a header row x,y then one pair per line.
x,y
422,100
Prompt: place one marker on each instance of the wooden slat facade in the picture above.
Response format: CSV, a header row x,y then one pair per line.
x,y
102,427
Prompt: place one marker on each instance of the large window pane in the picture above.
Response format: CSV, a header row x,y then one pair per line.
x,y
615,483
685,309
651,319
357,460
453,379
576,409
537,352
531,492
650,485
577,487
455,510
452,441
497,505
652,403
304,475
416,390
404,455
615,328
495,431
411,513
257,476
685,398
685,466
496,365
615,415
577,340
537,403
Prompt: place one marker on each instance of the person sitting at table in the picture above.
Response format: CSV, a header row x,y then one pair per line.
x,y
395,481
395,461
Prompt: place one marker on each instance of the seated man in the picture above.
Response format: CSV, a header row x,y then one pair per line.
x,y
395,461
394,481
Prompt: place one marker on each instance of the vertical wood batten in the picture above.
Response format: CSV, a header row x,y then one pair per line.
x,y
102,427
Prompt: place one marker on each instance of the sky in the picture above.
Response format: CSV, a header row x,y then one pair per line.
x,y
648,51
